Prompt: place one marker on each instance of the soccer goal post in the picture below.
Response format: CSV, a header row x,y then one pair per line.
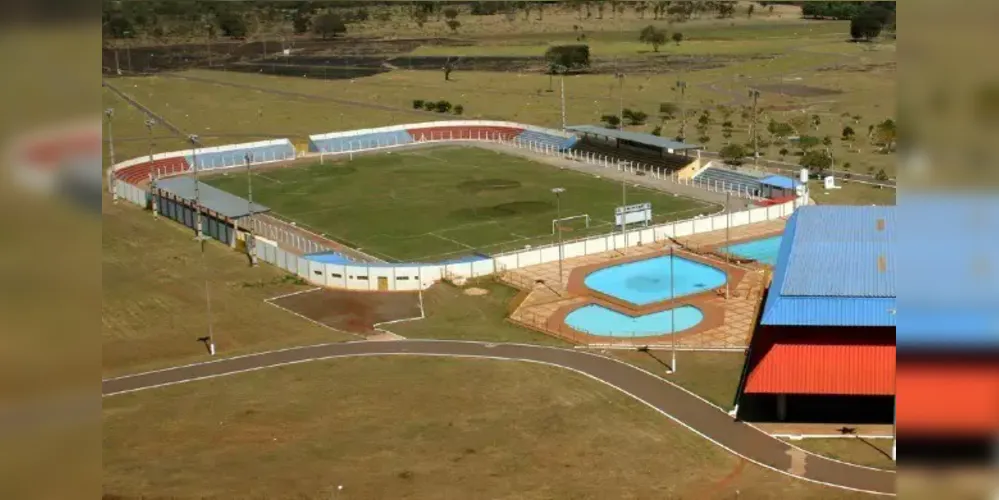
x,y
555,222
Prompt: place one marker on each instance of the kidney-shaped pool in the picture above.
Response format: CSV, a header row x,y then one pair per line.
x,y
648,281
598,320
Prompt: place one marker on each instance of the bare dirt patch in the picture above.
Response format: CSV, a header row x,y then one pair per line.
x,y
349,311
797,90
475,291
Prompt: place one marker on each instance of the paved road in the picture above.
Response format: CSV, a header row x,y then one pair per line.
x,y
679,405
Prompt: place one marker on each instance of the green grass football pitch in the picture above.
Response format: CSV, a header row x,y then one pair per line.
x,y
434,204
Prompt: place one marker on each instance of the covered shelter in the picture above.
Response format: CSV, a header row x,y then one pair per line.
x,y
823,348
628,146
175,198
778,186
634,139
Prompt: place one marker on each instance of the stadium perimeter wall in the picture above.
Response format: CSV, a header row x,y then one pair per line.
x,y
416,276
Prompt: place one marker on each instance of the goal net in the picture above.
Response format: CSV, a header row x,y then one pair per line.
x,y
571,223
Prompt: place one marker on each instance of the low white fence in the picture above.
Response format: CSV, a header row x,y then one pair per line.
x,y
409,277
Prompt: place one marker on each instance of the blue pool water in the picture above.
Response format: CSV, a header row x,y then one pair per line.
x,y
764,250
647,281
598,320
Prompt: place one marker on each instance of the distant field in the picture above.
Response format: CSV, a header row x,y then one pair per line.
x,y
435,204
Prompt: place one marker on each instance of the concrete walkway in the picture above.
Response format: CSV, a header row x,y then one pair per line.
x,y
681,406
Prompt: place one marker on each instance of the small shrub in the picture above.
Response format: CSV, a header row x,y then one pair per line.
x,y
418,103
429,105
658,131
459,109
611,120
443,106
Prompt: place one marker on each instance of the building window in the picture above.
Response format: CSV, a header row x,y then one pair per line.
x,y
335,275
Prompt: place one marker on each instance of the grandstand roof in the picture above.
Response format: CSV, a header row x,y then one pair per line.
x,y
779,181
952,398
647,139
213,199
835,267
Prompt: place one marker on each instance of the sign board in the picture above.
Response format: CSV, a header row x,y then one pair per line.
x,y
830,183
632,214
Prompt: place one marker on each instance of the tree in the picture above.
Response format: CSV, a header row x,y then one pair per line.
x,y
328,25
640,8
816,121
704,139
819,161
657,131
450,13
454,24
884,135
780,130
652,36
749,12
459,110
827,141
733,154
612,121
635,117
668,111
848,133
301,22
846,168
232,25
881,175
867,25
449,66
677,38
807,142
572,57
783,152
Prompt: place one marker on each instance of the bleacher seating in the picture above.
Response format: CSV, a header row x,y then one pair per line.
x,y
723,179
466,132
667,161
555,141
139,173
359,142
237,157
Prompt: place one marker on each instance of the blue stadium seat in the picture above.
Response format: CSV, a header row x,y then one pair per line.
x,y
359,142
559,142
730,180
237,157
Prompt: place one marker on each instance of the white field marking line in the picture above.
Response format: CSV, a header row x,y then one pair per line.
x,y
262,176
621,347
293,294
378,326
519,237
831,436
314,322
456,242
498,358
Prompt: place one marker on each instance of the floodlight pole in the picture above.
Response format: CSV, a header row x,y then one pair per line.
x,y
152,183
755,94
193,139
109,114
558,216
201,241
249,197
682,85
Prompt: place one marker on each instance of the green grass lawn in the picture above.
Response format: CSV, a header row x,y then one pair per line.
x,y
399,427
432,204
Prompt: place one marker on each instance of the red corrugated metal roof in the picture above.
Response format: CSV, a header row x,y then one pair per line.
x,y
821,361
950,398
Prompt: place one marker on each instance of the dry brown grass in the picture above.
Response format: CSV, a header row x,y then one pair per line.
x,y
389,428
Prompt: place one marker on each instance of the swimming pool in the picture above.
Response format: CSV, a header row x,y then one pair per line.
x,y
764,250
598,320
647,281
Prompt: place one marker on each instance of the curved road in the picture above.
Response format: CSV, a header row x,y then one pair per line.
x,y
679,405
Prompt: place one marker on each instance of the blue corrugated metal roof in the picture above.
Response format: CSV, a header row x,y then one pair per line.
x,y
779,181
824,274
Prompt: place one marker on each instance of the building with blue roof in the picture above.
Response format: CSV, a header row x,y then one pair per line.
x,y
823,348
777,186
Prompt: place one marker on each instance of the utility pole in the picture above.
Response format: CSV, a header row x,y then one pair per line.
x,y
672,313
201,241
558,220
249,196
620,92
682,85
152,182
109,114
728,224
193,139
561,79
755,94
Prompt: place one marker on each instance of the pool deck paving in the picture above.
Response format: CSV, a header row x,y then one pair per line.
x,y
728,322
